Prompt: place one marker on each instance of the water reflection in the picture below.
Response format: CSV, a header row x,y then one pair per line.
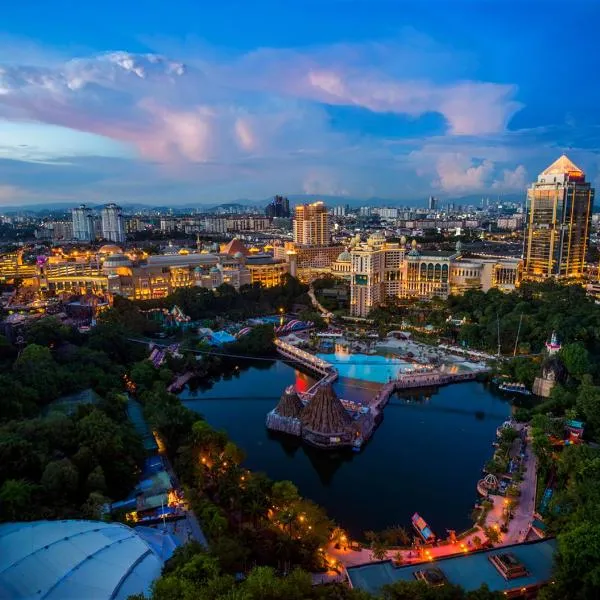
x,y
431,440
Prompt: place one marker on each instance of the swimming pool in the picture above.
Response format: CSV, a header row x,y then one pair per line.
x,y
367,367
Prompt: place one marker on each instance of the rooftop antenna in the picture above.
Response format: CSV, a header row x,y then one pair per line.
x,y
518,332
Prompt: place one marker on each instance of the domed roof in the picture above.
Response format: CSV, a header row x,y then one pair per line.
x,y
75,559
214,269
344,256
109,249
413,249
116,260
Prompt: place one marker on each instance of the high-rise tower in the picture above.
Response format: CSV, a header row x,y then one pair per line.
x,y
558,222
312,225
83,224
113,227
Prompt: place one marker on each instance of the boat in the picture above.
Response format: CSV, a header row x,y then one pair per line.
x,y
514,388
422,528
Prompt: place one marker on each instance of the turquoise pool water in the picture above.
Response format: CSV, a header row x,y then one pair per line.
x,y
367,367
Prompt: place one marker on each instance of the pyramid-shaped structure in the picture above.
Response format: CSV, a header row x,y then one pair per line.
x,y
563,166
325,413
290,404
233,247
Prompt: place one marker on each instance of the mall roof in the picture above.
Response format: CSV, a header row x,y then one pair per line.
x,y
470,570
74,559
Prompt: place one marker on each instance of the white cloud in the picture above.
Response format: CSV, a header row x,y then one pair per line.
x,y
512,180
458,173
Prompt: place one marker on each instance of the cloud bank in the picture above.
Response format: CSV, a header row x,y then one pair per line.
x,y
261,122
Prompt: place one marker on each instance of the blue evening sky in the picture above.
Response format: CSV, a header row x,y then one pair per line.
x,y
206,102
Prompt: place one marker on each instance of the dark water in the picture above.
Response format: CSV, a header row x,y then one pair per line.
x,y
426,456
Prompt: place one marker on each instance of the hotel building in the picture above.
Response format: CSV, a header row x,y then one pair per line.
x,y
558,222
380,270
312,225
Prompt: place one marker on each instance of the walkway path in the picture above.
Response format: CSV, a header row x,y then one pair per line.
x,y
350,558
521,522
311,294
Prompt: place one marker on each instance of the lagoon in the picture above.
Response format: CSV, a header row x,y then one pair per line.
x,y
426,456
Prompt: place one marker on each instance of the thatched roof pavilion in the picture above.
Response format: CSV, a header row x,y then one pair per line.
x,y
325,413
290,404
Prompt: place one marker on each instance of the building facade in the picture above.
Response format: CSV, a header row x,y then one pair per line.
x,y
279,208
113,224
83,224
558,222
380,270
112,271
312,225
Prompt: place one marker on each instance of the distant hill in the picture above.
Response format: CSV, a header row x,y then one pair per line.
x,y
240,204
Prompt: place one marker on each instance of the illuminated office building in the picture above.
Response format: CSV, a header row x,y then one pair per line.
x,y
558,222
312,225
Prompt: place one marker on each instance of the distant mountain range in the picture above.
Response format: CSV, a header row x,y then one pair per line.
x,y
474,200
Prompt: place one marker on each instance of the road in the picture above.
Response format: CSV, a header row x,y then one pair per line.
x,y
324,312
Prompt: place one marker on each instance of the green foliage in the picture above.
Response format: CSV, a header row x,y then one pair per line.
x,y
250,300
576,359
545,307
419,590
588,404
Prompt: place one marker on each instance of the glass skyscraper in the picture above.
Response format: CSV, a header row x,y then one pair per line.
x,y
559,209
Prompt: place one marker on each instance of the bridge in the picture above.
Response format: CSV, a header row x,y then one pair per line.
x,y
310,361
408,381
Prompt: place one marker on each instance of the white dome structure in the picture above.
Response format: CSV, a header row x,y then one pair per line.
x,y
55,560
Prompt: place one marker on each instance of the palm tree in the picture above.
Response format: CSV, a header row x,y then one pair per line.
x,y
378,550
397,536
492,534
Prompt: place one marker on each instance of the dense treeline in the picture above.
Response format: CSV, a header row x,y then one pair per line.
x,y
64,461
545,307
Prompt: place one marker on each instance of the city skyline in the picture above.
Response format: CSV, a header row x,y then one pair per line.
x,y
399,103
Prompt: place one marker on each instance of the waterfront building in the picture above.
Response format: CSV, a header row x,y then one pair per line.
x,y
83,224
312,225
558,222
517,571
381,270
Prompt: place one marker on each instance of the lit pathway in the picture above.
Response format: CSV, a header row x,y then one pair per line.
x,y
521,522
311,294
350,558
